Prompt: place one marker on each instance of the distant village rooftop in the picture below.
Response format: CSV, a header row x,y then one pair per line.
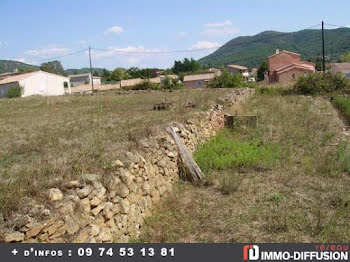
x,y
199,77
238,67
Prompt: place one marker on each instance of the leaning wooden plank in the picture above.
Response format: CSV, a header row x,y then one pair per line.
x,y
195,172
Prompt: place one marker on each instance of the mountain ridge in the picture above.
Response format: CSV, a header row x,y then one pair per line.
x,y
250,51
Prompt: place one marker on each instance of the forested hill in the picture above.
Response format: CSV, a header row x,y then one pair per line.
x,y
250,51
10,66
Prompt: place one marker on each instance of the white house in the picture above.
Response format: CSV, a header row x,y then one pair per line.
x,y
36,83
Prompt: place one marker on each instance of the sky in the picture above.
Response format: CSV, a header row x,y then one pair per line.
x,y
36,31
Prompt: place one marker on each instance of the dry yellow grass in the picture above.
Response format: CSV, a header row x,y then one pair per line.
x,y
48,140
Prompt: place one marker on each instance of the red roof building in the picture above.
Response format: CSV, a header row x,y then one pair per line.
x,y
285,66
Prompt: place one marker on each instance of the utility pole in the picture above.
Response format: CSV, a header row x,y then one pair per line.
x,y
92,77
323,57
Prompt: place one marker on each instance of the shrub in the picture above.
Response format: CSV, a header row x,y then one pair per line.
x,y
15,91
171,84
226,80
320,83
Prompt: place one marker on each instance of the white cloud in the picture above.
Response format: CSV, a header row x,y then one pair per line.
x,y
204,45
218,24
125,51
182,34
218,29
50,51
130,55
3,43
115,30
222,31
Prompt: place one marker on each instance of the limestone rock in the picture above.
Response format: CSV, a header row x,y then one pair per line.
x,y
118,163
97,210
85,205
84,192
71,225
14,237
122,190
55,194
105,235
72,184
82,235
35,230
124,206
95,230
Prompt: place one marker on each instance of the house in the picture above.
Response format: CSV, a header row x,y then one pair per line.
x,y
343,68
84,79
195,81
36,83
238,69
215,70
285,66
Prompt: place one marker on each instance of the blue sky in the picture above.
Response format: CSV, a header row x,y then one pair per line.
x,y
32,31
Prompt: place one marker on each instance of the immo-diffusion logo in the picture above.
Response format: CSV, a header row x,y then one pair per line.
x,y
253,253
250,252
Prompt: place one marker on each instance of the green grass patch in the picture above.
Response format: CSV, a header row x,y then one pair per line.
x,y
225,151
342,103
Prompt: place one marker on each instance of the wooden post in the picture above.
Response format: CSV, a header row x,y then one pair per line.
x,y
195,172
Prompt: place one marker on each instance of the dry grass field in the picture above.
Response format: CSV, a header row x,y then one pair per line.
x,y
48,140
302,196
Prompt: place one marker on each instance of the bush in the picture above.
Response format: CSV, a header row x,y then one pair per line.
x,y
146,85
320,83
15,91
226,80
171,84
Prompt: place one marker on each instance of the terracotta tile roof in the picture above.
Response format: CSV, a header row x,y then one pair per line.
x,y
239,67
199,77
295,65
15,78
286,52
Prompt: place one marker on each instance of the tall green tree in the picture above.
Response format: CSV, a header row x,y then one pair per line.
x,y
54,67
119,74
261,71
186,65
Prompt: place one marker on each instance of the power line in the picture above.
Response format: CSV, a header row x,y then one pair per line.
x,y
58,57
340,26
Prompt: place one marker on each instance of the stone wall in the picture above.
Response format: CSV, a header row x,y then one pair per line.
x,y
112,208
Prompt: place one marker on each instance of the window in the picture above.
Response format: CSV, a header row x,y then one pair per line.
x,y
293,76
199,83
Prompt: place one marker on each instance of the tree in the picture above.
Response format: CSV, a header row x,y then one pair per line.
x,y
345,57
95,73
119,74
226,80
54,67
261,71
187,65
